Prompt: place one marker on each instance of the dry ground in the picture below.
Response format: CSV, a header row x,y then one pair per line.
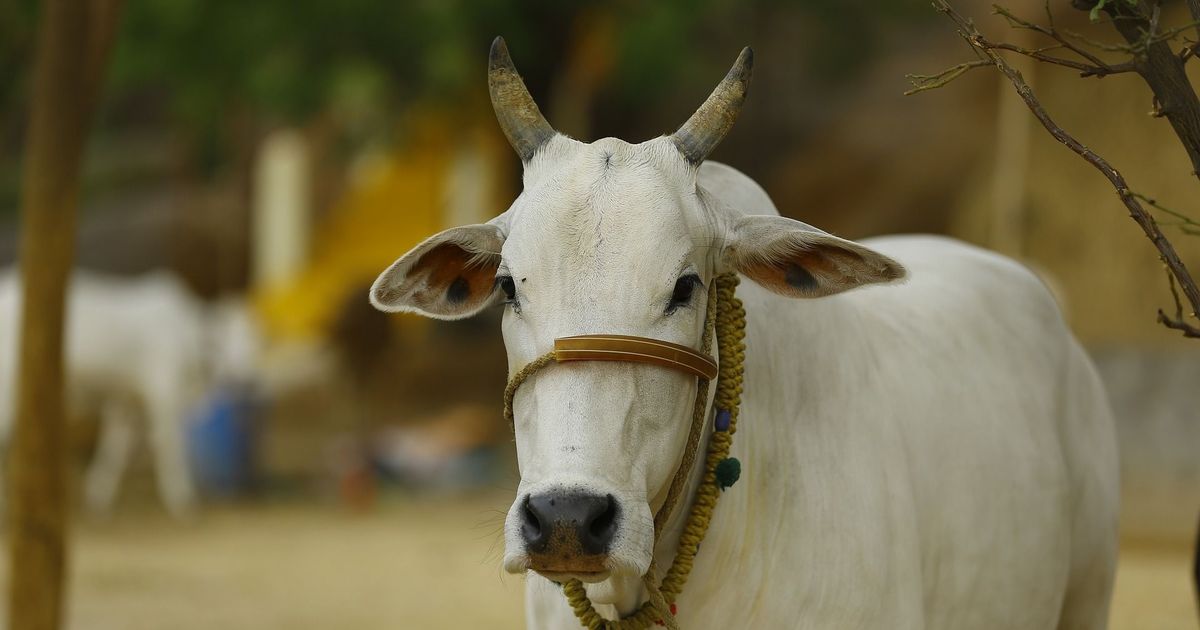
x,y
422,564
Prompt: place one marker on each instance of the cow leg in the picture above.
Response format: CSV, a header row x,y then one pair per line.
x,y
171,469
1087,603
1092,459
112,455
7,412
1093,567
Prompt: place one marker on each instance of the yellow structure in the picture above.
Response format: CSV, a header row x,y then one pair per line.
x,y
444,175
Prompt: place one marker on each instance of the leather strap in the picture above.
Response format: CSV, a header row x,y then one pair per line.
x,y
635,350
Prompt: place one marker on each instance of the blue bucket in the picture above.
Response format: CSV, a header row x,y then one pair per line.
x,y
221,443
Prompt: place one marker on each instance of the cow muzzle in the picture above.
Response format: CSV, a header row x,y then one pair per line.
x,y
569,532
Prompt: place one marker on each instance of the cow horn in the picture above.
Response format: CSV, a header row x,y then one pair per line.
x,y
519,117
708,126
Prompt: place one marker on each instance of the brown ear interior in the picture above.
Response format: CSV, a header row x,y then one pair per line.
x,y
820,271
450,278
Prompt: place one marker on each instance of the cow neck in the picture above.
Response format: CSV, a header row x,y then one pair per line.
x,y
726,318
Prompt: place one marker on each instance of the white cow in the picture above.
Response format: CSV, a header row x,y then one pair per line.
x,y
136,348
930,454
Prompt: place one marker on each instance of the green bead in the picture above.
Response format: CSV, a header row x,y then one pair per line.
x,y
728,471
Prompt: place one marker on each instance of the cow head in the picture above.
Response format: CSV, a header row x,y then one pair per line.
x,y
607,237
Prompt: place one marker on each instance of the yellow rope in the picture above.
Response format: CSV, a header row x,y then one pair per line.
x,y
727,318
510,390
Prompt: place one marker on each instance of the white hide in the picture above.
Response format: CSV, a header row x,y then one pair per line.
x,y
135,348
936,453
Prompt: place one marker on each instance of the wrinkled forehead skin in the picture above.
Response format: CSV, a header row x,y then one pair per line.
x,y
601,233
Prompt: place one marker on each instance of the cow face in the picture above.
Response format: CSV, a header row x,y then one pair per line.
x,y
613,238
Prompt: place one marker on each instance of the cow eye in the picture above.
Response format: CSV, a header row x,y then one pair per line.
x,y
685,286
509,287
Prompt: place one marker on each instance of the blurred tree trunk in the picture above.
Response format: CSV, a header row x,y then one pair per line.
x,y
589,63
72,50
1009,182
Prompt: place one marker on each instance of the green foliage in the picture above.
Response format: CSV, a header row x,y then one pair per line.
x,y
273,56
654,41
16,39
216,61
203,68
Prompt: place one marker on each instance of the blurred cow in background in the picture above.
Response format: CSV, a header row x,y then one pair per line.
x,y
136,347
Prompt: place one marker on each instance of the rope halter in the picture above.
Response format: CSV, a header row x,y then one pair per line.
x,y
725,320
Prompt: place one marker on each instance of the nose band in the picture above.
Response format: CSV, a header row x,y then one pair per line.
x,y
634,350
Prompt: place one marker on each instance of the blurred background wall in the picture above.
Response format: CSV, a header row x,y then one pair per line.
x,y
281,153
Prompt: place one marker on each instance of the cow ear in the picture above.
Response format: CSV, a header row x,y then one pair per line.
x,y
797,260
451,275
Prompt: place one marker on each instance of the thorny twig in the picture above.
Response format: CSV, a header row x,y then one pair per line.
x,y
1148,36
1050,31
1098,45
1153,35
1085,69
1180,276
1162,68
1178,322
1141,45
922,82
1185,223
1092,66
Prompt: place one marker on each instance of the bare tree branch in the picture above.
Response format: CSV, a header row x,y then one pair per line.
x,y
1049,31
1098,45
1179,272
1085,70
922,82
1161,68
1178,322
1092,66
1186,224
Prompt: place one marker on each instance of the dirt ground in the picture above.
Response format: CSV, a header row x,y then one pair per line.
x,y
421,564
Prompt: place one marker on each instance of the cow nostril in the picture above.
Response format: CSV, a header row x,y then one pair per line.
x,y
531,525
601,528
